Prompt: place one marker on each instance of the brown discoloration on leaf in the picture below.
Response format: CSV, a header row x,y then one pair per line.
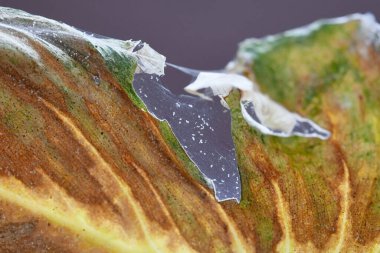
x,y
12,232
83,169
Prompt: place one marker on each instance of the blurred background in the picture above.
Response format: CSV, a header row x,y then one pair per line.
x,y
200,34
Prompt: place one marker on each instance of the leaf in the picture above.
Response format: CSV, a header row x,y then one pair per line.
x,y
84,169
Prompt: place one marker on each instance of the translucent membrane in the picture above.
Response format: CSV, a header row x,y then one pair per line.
x,y
201,119
202,127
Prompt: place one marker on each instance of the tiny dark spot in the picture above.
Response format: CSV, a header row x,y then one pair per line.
x,y
96,79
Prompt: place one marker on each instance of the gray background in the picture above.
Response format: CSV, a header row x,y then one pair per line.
x,y
201,34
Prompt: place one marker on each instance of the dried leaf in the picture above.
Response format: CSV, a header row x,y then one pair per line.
x,y
84,169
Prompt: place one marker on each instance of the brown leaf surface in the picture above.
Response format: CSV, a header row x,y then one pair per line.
x,y
83,169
